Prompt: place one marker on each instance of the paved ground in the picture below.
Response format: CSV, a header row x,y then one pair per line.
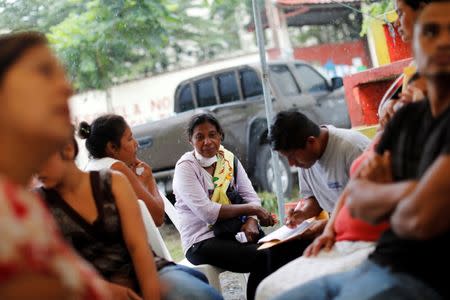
x,y
233,286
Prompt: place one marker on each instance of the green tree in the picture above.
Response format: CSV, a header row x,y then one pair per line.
x,y
375,10
36,14
103,42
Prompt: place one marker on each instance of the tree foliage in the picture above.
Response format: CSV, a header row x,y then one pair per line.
x,y
107,41
103,43
376,10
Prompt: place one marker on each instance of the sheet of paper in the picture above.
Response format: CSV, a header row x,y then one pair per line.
x,y
285,232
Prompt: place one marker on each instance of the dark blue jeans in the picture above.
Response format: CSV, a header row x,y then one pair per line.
x,y
186,283
367,281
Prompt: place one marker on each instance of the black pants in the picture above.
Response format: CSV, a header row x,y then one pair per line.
x,y
245,258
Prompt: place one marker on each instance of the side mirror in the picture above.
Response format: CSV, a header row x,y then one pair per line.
x,y
336,82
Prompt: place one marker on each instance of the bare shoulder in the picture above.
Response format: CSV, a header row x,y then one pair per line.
x,y
120,166
117,177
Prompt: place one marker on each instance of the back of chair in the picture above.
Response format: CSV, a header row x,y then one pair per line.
x,y
170,211
154,237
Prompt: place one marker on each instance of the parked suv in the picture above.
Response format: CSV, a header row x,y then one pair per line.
x,y
234,95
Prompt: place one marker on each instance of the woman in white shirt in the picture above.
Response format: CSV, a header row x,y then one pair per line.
x,y
111,145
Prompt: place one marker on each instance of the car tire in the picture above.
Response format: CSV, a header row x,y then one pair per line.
x,y
265,175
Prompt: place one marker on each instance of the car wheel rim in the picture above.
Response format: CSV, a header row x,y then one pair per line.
x,y
270,175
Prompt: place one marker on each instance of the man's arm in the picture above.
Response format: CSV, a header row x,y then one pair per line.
x,y
374,202
423,214
373,195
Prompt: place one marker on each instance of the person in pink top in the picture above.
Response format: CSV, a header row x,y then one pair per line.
x,y
34,123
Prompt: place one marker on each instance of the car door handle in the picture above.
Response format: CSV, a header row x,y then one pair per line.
x,y
145,142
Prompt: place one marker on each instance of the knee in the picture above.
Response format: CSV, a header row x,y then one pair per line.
x,y
264,290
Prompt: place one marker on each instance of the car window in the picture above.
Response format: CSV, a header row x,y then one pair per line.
x,y
205,92
310,79
228,87
251,84
185,101
284,80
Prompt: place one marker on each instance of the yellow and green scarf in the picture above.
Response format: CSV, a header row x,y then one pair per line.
x,y
223,174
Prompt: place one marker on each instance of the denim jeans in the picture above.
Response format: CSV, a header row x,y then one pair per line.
x,y
367,281
182,282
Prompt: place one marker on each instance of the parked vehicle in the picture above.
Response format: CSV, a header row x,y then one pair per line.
x,y
234,95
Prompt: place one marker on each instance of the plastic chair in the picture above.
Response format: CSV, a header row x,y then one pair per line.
x,y
154,237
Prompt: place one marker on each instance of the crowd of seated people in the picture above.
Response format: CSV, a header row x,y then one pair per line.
x,y
81,234
347,241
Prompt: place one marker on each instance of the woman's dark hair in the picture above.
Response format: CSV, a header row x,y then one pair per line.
x,y
104,129
14,45
204,118
290,130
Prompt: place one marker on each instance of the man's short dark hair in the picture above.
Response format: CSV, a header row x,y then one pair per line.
x,y
290,130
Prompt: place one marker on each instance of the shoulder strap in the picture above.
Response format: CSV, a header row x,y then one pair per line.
x,y
96,186
101,188
235,166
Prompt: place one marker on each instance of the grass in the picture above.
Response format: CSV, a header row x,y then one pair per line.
x,y
172,237
173,242
269,200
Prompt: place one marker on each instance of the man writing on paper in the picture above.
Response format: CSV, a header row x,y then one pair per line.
x,y
323,154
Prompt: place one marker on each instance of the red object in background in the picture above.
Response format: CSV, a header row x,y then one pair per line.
x,y
397,49
339,53
364,90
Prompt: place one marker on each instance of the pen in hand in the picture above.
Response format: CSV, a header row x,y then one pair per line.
x,y
293,218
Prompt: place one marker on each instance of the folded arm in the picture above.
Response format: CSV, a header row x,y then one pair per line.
x,y
375,202
423,214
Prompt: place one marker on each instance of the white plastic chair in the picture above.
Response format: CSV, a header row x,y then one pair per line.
x,y
154,237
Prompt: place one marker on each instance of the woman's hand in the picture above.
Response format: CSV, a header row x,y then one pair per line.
x,y
143,171
251,230
324,241
388,112
264,217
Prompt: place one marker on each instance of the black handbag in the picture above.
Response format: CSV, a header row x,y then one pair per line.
x,y
227,229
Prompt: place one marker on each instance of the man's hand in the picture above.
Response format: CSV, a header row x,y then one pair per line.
x,y
251,230
377,168
294,218
324,241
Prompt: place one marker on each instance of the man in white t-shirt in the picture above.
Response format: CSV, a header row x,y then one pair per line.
x,y
324,155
